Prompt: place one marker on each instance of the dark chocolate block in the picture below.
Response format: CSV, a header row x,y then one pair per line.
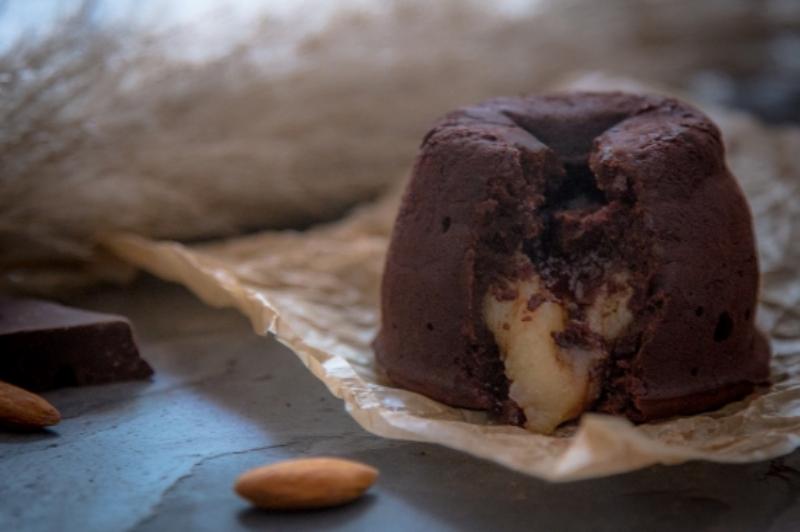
x,y
45,345
590,195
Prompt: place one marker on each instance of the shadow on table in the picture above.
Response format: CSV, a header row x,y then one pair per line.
x,y
15,435
324,519
462,493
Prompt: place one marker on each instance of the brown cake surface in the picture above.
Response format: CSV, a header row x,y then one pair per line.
x,y
571,252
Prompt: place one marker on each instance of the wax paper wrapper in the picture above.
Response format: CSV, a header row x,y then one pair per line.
x,y
317,291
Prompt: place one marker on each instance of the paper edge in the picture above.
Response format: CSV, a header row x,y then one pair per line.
x,y
573,464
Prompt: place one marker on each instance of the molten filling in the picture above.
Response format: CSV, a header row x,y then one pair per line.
x,y
553,380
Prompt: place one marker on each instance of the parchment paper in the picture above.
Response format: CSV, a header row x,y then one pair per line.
x,y
317,291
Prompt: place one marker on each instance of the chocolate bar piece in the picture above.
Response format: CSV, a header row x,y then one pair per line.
x,y
45,345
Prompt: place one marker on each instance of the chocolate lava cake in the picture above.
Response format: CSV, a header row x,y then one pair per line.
x,y
572,252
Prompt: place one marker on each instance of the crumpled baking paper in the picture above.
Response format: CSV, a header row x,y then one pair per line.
x,y
317,291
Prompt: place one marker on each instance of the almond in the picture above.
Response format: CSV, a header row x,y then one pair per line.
x,y
22,409
305,483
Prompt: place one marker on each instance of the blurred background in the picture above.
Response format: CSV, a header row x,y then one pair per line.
x,y
203,119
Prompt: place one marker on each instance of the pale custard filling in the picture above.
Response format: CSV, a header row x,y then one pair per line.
x,y
551,384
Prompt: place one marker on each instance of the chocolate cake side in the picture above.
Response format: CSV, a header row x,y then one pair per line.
x,y
697,346
432,338
45,345
581,203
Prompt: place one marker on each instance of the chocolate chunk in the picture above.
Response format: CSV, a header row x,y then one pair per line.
x,y
44,345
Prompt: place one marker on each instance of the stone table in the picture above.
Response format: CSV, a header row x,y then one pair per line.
x,y
163,454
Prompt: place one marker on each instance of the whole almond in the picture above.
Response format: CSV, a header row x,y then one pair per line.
x,y
23,409
305,483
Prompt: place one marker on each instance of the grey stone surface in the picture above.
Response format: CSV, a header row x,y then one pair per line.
x,y
163,455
